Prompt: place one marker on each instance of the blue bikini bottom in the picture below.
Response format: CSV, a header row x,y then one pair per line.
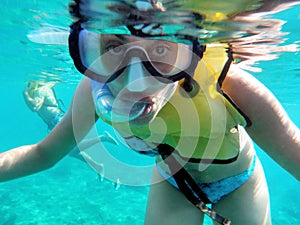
x,y
56,119
218,189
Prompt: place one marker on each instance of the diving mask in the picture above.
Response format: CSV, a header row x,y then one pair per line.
x,y
104,57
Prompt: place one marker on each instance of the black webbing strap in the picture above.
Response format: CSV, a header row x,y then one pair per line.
x,y
222,77
187,185
225,69
183,179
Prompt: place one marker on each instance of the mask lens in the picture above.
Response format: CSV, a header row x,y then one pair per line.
x,y
92,57
105,54
170,58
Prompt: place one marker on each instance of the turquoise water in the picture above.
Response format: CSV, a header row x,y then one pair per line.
x,y
70,193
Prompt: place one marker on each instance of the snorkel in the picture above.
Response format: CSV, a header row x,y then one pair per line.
x,y
32,87
119,111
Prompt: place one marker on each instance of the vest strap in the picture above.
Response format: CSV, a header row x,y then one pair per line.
x,y
187,185
225,69
209,161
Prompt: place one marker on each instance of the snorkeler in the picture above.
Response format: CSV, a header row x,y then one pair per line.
x,y
173,94
40,97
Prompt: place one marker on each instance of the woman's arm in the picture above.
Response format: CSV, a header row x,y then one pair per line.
x,y
271,127
29,159
104,137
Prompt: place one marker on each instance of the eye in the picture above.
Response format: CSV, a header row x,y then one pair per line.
x,y
115,49
160,51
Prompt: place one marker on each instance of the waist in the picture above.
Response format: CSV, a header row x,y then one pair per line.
x,y
206,173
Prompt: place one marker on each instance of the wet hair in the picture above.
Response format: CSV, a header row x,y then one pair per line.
x,y
74,9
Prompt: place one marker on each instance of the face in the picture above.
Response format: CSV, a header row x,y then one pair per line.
x,y
135,89
138,75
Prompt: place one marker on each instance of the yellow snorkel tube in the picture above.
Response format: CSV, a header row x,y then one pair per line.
x,y
32,87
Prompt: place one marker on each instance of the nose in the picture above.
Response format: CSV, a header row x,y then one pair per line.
x,y
136,76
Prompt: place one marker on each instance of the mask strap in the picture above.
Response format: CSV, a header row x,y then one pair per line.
x,y
190,85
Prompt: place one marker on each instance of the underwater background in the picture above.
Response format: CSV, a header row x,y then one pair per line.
x,y
71,193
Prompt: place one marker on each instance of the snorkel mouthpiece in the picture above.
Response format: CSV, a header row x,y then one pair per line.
x,y
120,112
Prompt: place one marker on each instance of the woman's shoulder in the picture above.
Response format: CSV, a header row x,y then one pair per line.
x,y
239,83
82,98
83,88
85,83
247,92
237,76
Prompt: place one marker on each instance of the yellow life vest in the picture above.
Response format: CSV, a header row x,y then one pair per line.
x,y
203,126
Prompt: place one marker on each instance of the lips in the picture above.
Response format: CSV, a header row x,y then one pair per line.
x,y
142,108
132,109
